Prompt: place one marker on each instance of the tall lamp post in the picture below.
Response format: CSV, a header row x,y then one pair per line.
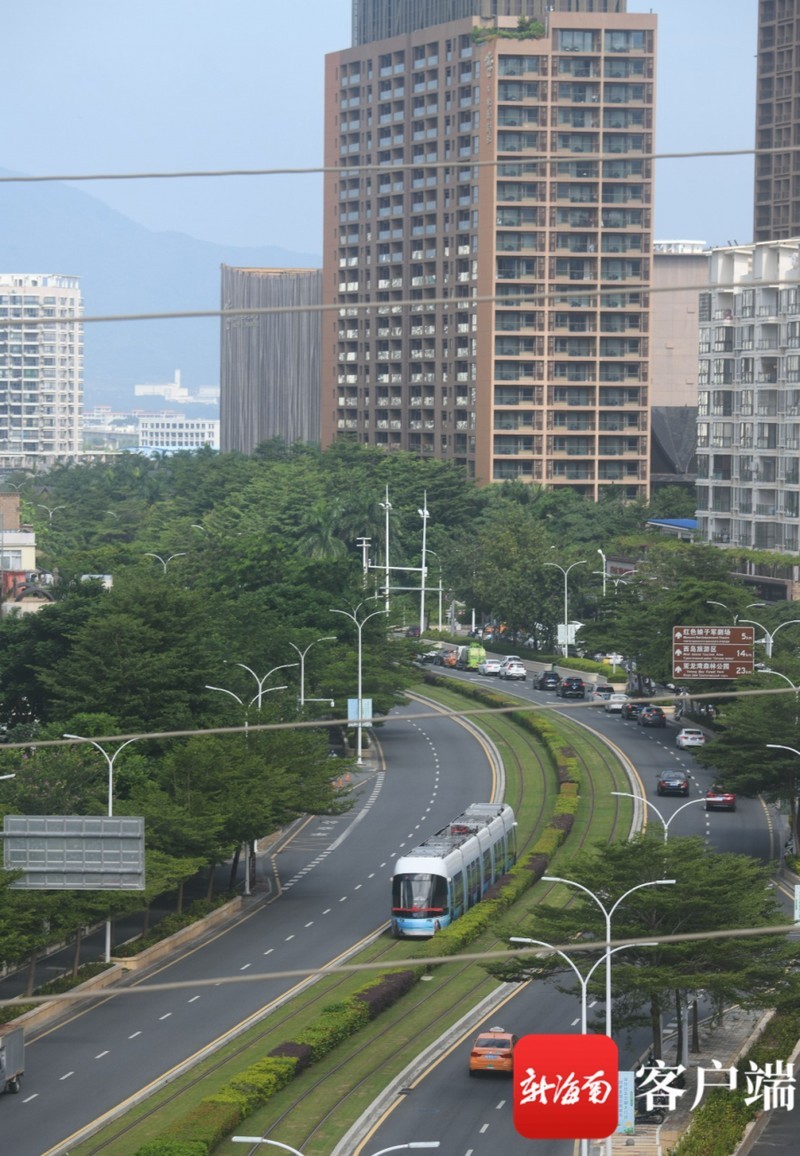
x,y
734,616
607,914
438,559
793,800
288,1148
110,760
359,624
260,681
769,635
50,510
565,572
423,513
386,506
583,980
166,561
664,822
303,653
604,570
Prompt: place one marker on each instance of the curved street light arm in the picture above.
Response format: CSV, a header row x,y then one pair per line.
x,y
664,822
223,690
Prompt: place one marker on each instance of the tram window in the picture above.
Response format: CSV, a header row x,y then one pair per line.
x,y
488,876
458,892
474,881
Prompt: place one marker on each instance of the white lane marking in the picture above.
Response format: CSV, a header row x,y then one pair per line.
x,y
135,1034
165,1016
344,897
269,951
244,967
576,1021
66,1075
288,937
194,997
28,1099
100,1055
327,911
310,924
357,887
500,1104
484,1128
371,875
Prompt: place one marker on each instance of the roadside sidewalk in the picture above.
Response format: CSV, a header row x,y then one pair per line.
x,y
725,1042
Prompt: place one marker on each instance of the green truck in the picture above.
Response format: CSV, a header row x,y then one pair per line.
x,y
469,657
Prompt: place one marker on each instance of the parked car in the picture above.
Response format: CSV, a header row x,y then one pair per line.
x,y
602,692
690,737
673,783
632,710
492,1051
615,703
718,799
512,667
489,666
572,687
548,680
652,716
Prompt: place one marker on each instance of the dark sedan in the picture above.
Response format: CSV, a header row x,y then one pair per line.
x,y
652,716
673,783
548,680
631,709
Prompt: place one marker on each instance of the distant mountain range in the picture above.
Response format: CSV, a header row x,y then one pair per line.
x,y
125,268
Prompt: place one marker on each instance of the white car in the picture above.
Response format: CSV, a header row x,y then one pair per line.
x,y
489,666
690,737
512,668
615,703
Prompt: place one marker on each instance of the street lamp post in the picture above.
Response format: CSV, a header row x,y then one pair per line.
x,y
769,635
583,980
565,572
288,1148
607,913
386,506
423,513
260,681
734,616
110,760
664,822
760,669
303,653
166,561
438,559
359,624
50,510
793,799
604,570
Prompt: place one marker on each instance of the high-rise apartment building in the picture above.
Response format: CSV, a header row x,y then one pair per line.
x,y
41,368
748,451
488,240
270,358
777,174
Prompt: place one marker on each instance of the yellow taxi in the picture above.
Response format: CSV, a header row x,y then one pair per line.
x,y
492,1051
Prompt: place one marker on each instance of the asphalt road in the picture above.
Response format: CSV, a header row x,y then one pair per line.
x,y
473,1117
334,894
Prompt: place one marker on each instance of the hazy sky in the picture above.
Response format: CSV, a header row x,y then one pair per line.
x,y
164,85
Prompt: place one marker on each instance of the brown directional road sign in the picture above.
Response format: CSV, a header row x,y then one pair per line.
x,y
712,651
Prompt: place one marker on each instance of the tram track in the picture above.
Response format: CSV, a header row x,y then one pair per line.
x,y
530,786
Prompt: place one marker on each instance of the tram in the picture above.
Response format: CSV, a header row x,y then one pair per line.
x,y
450,872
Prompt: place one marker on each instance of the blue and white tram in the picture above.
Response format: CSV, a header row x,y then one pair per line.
x,y
450,872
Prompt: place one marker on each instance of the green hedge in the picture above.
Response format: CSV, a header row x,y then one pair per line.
x,y
718,1124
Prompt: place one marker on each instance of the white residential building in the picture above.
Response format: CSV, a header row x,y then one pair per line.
x,y
41,368
748,425
165,431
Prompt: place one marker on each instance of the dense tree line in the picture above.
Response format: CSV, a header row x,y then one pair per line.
x,y
222,562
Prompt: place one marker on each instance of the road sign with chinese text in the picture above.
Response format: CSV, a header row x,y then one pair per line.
x,y
712,651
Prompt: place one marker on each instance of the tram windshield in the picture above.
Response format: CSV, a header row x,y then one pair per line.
x,y
422,895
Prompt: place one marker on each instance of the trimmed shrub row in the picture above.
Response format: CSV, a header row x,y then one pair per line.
x,y
203,1129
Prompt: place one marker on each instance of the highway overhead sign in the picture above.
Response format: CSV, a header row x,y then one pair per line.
x,y
712,651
